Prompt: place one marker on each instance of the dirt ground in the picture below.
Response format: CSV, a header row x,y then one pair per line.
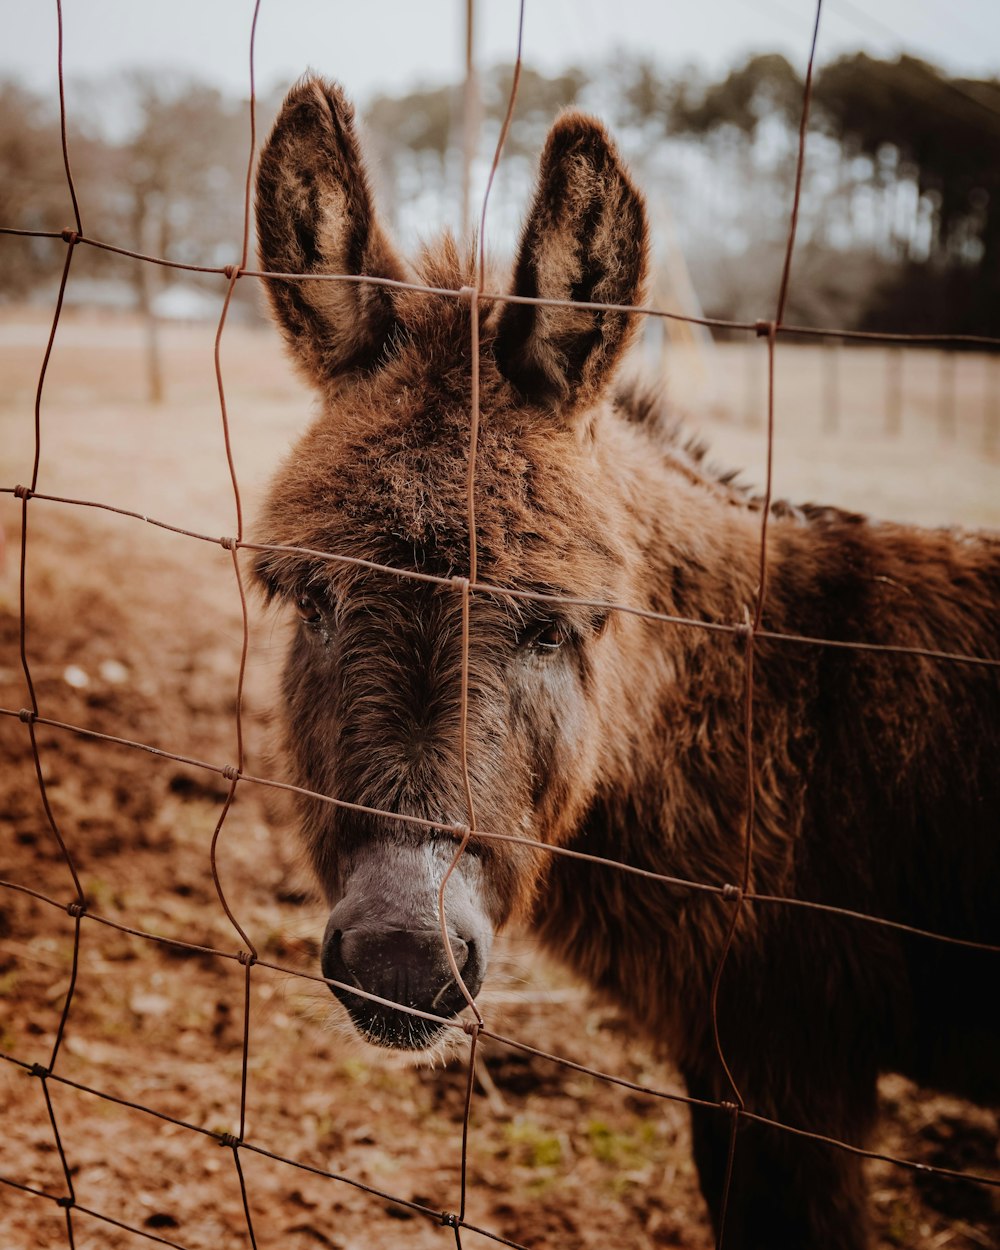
x,y
135,632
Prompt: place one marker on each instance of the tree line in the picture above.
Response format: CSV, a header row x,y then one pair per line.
x,y
900,224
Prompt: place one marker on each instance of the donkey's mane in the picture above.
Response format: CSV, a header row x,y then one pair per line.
x,y
646,405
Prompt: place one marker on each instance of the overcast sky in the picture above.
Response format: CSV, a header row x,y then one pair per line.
x,y
385,44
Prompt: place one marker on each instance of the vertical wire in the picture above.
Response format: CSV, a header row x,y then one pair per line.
x,y
25,495
463,584
234,274
474,294
249,957
62,120
799,168
248,963
470,121
64,1016
68,1211
753,624
77,907
243,1194
233,544
473,1042
71,1193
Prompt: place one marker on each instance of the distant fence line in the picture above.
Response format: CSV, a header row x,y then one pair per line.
x,y
973,418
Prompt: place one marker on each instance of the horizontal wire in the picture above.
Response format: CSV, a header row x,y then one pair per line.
x,y
242,1144
128,1228
561,1061
738,628
758,326
459,831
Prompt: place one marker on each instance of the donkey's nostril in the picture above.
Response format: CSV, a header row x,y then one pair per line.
x,y
473,969
460,953
333,963
404,968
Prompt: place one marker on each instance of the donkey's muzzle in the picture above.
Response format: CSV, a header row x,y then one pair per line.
x,y
384,938
407,968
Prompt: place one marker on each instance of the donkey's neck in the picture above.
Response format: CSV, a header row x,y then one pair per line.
x,y
696,537
673,794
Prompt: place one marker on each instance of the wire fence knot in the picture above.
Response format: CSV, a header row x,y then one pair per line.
x,y
27,716
230,1140
247,958
39,1070
66,1202
77,908
764,329
23,492
731,891
230,544
232,271
72,237
449,1219
742,631
461,584
231,772
472,1027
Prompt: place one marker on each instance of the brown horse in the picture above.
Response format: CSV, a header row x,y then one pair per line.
x,y
877,779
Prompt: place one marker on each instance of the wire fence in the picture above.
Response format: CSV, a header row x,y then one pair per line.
x,y
748,633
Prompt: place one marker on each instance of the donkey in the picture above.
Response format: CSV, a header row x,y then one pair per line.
x,y
622,736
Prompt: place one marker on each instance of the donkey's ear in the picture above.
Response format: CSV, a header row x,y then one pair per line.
x,y
585,239
315,216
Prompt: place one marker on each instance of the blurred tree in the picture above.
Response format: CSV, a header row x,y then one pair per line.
x,y
33,193
764,88
180,178
417,137
903,162
916,124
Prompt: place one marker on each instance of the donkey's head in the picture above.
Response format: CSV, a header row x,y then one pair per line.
x,y
373,680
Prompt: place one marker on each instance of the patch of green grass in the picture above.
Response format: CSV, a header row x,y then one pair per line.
x,y
622,1149
532,1146
627,1154
356,1071
899,1229
104,895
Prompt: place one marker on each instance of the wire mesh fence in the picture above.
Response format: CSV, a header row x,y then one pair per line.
x,y
837,356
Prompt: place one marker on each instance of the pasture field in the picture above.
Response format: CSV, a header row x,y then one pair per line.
x,y
136,632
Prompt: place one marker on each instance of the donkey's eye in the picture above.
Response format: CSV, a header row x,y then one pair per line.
x,y
545,636
308,610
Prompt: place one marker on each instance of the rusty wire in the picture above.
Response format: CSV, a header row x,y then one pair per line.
x,y
748,631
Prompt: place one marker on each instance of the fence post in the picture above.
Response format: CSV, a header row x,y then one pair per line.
x,y
831,349
893,391
753,363
991,414
470,115
946,393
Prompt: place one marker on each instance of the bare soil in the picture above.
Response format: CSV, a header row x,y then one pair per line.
x,y
136,633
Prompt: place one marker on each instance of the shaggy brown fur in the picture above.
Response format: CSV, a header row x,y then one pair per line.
x,y
877,779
